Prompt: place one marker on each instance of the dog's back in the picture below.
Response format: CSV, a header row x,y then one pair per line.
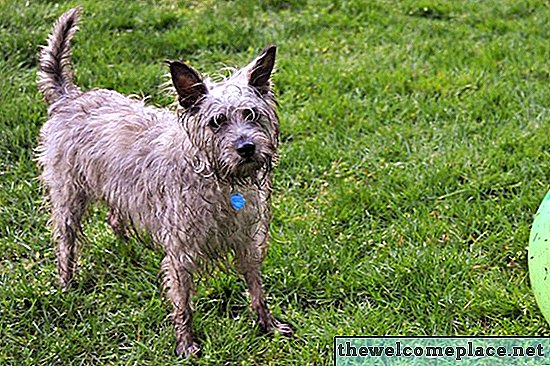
x,y
100,141
105,146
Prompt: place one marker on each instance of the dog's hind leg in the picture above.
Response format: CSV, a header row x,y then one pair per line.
x,y
68,205
178,284
117,224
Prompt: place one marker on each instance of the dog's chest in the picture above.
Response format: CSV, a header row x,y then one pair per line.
x,y
239,211
236,218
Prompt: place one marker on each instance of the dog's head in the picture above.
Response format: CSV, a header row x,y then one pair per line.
x,y
234,122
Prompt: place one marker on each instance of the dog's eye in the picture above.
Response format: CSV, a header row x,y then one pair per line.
x,y
217,121
251,115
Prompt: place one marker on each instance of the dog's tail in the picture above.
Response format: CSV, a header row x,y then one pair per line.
x,y
55,74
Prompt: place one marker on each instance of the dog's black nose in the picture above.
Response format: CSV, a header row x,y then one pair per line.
x,y
246,149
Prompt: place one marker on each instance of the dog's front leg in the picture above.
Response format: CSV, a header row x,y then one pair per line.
x,y
250,269
178,283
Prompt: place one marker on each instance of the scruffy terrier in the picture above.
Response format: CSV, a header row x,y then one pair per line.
x,y
198,182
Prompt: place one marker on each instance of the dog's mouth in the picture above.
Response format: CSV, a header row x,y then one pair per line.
x,y
247,162
247,167
255,167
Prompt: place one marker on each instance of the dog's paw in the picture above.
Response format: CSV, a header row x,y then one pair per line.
x,y
66,283
284,329
272,325
188,349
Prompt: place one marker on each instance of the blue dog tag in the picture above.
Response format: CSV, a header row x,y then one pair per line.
x,y
237,201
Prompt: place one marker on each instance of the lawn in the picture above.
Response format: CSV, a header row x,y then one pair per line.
x,y
415,152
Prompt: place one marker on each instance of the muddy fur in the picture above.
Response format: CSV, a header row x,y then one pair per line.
x,y
170,174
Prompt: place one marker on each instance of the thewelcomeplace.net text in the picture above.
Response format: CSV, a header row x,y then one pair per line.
x,y
370,350
458,352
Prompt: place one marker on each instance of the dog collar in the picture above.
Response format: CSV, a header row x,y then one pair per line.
x,y
237,201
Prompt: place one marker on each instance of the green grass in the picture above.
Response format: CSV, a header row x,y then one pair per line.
x,y
415,154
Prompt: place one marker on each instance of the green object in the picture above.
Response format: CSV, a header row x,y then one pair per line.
x,y
539,257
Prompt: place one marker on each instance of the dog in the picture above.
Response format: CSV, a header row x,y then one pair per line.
x,y
198,181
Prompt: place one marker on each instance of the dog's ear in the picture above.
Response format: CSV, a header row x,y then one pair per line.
x,y
259,71
188,84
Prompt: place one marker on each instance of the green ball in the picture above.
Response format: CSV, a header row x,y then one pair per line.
x,y
539,257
